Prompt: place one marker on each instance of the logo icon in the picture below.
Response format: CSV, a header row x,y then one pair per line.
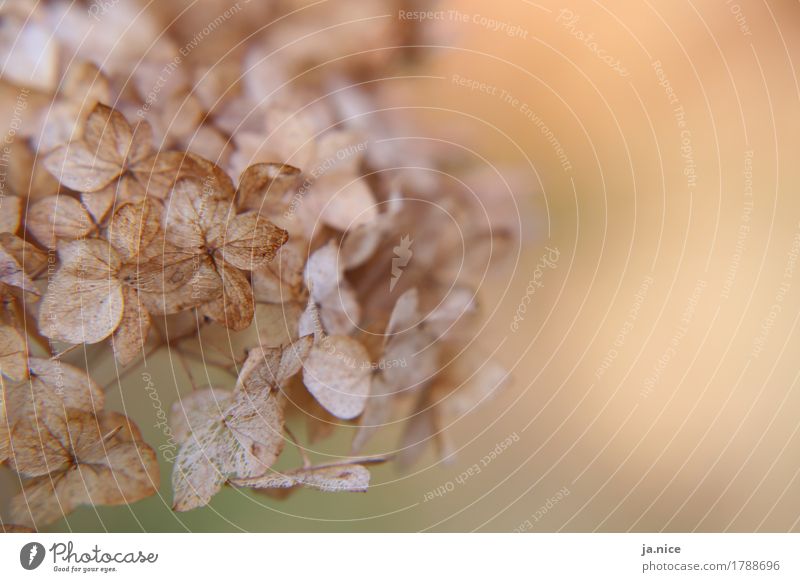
x,y
31,555
402,256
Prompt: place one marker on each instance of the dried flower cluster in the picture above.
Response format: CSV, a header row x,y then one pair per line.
x,y
291,249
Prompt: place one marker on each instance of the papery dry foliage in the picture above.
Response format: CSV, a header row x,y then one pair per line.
x,y
282,249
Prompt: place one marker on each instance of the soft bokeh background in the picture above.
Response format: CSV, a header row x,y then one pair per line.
x,y
655,367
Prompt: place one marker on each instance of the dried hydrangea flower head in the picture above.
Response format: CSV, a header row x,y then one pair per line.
x,y
254,229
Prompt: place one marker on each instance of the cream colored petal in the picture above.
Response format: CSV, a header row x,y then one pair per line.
x,y
338,373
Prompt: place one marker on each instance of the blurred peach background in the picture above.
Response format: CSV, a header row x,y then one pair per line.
x,y
655,367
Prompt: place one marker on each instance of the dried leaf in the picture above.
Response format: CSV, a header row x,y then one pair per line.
x,y
337,372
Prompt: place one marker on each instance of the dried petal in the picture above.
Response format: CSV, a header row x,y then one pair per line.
x,y
135,229
13,354
332,478
281,279
323,272
271,368
223,435
348,202
17,259
261,183
173,280
80,168
52,387
129,338
235,307
58,217
10,213
337,372
83,302
95,468
248,241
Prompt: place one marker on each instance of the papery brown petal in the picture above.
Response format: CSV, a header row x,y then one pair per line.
x,y
13,354
335,478
40,445
99,203
135,229
235,307
249,241
174,281
160,171
261,183
141,144
10,213
110,471
195,209
84,82
270,368
80,168
195,478
52,387
337,372
108,135
197,411
83,302
130,336
17,259
281,279
58,217
223,435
